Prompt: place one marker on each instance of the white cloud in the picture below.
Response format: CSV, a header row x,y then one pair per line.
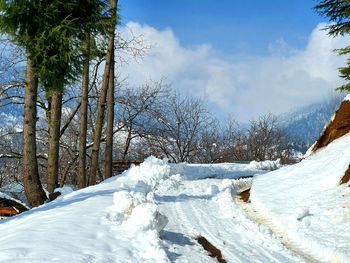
x,y
248,86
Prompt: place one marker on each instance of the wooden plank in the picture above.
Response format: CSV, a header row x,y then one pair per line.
x,y
8,211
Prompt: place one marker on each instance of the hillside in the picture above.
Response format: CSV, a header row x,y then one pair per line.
x,y
308,203
305,124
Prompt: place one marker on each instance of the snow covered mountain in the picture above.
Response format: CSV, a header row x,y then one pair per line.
x,y
305,124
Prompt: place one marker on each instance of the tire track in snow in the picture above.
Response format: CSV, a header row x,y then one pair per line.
x,y
193,214
290,244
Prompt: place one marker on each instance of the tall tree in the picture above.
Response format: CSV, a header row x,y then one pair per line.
x,y
338,12
18,20
56,58
84,113
59,50
110,123
95,23
103,96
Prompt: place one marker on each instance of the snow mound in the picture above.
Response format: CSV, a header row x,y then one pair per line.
x,y
306,203
115,221
222,170
265,165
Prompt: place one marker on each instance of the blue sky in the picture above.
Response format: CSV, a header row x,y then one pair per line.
x,y
245,58
230,26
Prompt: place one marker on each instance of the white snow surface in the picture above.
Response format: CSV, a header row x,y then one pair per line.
x,y
223,170
151,213
305,203
347,98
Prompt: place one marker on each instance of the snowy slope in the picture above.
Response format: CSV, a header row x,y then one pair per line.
x,y
305,124
115,221
306,204
121,220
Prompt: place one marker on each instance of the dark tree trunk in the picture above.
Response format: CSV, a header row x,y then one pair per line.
x,y
32,185
128,141
84,117
102,101
54,140
110,123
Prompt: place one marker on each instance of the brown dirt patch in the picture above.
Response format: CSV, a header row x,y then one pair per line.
x,y
245,196
213,251
346,177
336,128
54,195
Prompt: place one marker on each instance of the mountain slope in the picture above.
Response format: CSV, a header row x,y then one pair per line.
x,y
305,124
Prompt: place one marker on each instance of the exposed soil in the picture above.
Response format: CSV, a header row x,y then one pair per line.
x,y
245,196
346,177
54,195
213,251
336,128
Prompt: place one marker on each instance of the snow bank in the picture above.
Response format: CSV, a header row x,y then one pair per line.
x,y
305,202
265,165
223,170
115,221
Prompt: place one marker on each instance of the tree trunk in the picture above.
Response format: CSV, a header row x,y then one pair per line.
x,y
84,117
102,101
54,140
128,141
32,185
110,123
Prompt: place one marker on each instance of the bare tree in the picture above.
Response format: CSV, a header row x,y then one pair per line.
x,y
265,139
178,126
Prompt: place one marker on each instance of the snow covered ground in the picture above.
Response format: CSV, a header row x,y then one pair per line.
x,y
123,220
208,208
307,205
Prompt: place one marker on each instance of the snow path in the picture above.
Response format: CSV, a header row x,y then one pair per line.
x,y
120,220
257,217
207,208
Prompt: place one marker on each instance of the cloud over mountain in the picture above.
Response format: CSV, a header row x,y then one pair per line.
x,y
245,86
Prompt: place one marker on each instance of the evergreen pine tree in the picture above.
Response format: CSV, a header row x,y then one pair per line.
x,y
338,13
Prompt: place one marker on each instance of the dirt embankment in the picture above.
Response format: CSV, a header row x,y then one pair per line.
x,y
338,127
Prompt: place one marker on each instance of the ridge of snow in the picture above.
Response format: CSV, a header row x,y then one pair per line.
x,y
86,226
223,170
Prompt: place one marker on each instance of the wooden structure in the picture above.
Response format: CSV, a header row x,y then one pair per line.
x,y
120,166
10,207
7,212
